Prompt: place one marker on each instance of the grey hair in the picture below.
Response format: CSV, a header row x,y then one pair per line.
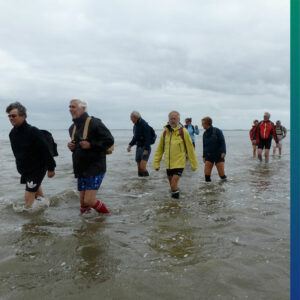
x,y
174,112
17,105
135,114
267,114
80,103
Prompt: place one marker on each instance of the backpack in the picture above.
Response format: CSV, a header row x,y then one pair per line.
x,y
85,134
153,136
52,146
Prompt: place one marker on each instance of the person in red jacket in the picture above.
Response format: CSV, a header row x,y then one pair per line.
x,y
265,132
252,134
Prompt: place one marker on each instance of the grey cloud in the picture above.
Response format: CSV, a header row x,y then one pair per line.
x,y
203,57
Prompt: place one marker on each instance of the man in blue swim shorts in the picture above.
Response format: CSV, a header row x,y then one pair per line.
x,y
90,140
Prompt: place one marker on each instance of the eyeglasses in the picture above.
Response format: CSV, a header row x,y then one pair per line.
x,y
12,116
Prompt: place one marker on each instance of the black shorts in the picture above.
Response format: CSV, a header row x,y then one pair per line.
x,y
139,154
171,172
214,159
265,143
33,180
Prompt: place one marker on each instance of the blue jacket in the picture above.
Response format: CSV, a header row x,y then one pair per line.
x,y
192,131
141,134
213,142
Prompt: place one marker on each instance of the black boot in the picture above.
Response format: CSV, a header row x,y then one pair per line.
x,y
175,194
207,178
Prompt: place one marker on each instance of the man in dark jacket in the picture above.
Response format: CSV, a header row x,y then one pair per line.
x,y
214,149
90,140
142,139
33,157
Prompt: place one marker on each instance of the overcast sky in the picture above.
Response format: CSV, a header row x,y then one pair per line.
x,y
228,59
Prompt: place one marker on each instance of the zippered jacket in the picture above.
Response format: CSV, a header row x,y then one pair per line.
x,y
213,142
30,150
266,130
174,150
252,133
90,162
141,134
192,131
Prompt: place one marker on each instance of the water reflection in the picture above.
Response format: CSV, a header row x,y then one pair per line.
x,y
92,250
211,197
260,177
171,234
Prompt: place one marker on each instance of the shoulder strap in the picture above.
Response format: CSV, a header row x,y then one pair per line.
x,y
86,127
181,133
165,133
73,133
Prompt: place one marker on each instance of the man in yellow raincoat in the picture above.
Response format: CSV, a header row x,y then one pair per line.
x,y
176,146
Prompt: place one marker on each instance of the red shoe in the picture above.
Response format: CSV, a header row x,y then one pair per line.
x,y
85,209
100,207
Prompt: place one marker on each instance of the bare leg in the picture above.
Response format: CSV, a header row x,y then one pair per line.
x,y
274,149
138,167
143,165
280,149
91,201
267,154
29,198
259,153
39,192
207,170
254,150
81,196
142,168
174,183
89,198
220,167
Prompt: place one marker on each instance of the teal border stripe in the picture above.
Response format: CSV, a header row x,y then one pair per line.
x,y
295,149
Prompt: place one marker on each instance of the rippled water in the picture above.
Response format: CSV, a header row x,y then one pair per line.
x,y
223,240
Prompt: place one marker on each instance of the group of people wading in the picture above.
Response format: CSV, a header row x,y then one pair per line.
x,y
262,133
91,141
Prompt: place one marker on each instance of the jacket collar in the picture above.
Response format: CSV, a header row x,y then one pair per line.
x,y
81,119
209,129
168,126
22,126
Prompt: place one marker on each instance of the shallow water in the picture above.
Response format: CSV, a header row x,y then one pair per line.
x,y
223,240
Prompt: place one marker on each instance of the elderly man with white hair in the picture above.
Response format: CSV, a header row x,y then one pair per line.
x,y
90,140
143,137
265,132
